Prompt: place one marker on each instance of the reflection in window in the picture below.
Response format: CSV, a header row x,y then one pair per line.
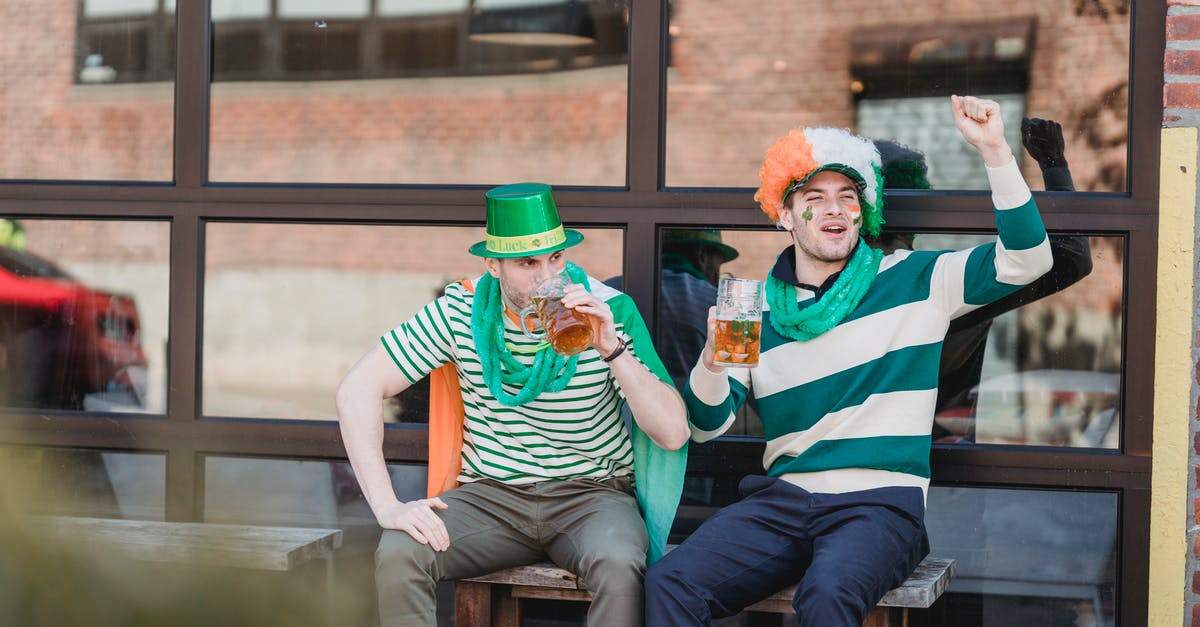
x,y
288,308
1040,367
311,493
60,97
444,92
308,493
351,39
126,41
82,482
887,74
692,263
1046,557
83,315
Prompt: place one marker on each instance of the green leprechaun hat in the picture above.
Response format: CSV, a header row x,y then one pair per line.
x,y
522,221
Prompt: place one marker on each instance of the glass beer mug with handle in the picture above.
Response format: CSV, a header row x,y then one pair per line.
x,y
739,321
569,332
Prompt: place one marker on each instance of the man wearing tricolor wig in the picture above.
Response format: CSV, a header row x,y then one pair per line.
x,y
846,385
536,439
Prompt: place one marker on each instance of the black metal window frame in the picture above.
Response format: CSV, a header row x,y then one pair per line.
x,y
641,208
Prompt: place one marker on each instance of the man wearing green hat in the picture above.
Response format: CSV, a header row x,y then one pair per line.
x,y
547,463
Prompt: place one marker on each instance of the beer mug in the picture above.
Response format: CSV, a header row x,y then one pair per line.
x,y
568,331
739,320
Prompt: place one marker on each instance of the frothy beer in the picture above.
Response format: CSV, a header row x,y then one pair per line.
x,y
739,320
735,342
569,332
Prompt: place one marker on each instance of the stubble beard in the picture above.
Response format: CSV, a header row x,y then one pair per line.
x,y
513,297
824,252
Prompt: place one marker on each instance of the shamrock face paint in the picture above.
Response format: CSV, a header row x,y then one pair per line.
x,y
808,213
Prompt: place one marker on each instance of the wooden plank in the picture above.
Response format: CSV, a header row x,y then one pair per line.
x,y
561,594
542,574
930,579
238,546
923,586
506,610
777,603
472,604
887,617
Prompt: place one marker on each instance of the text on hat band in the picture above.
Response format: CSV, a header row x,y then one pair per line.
x,y
523,243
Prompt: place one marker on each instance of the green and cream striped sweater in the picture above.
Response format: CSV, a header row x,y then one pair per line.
x,y
852,409
576,433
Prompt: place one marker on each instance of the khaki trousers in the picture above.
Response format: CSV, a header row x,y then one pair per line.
x,y
591,528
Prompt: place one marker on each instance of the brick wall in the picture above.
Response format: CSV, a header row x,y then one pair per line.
x,y
54,129
741,78
1181,108
738,79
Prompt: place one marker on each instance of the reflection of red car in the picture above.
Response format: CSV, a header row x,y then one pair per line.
x,y
64,345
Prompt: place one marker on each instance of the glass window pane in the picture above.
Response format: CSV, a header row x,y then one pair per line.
x,y
83,314
1039,367
309,493
103,8
239,9
320,48
83,482
60,92
322,8
439,94
314,493
1033,557
419,7
283,325
887,73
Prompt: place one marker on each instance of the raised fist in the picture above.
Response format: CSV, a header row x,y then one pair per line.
x,y
1044,141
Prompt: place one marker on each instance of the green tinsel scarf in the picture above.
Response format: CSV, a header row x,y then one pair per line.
x,y
550,371
790,321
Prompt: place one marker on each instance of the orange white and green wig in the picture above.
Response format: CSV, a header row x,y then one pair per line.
x,y
794,158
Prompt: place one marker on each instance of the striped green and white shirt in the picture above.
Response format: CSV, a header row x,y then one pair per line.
x,y
852,409
576,433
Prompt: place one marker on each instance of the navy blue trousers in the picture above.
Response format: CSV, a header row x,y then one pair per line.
x,y
845,551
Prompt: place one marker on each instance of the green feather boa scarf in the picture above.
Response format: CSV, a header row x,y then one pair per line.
x,y
790,321
549,372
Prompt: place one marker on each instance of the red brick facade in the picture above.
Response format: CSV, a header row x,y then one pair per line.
x,y
737,80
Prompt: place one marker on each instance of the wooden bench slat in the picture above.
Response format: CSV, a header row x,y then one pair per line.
x,y
206,544
542,574
924,586
930,579
559,594
545,580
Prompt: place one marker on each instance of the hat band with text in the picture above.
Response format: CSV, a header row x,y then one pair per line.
x,y
526,243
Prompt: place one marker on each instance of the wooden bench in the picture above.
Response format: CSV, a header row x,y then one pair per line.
x,y
237,546
198,544
494,600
